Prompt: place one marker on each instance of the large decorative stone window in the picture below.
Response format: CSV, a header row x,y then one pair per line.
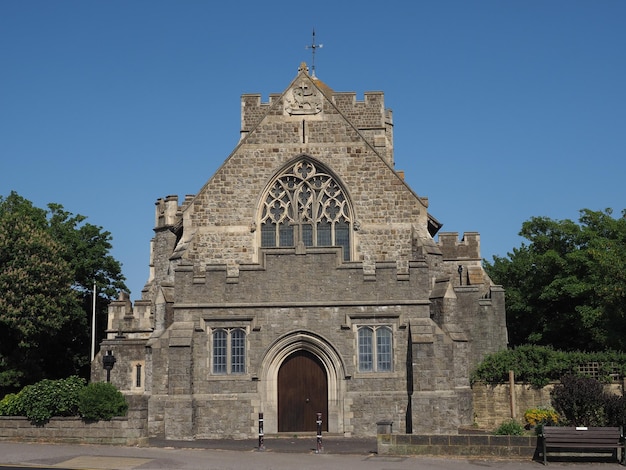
x,y
306,205
229,351
375,345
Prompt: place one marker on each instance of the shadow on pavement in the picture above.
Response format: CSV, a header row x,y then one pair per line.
x,y
330,445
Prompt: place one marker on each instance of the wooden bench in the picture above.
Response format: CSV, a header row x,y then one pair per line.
x,y
579,438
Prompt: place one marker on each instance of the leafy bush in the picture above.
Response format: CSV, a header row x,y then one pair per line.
x,y
615,410
47,398
510,428
10,405
539,365
101,400
65,397
581,401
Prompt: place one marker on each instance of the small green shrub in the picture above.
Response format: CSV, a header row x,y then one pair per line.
x,y
509,428
10,405
101,400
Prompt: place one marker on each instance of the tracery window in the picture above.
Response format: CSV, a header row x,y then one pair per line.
x,y
375,347
229,351
306,204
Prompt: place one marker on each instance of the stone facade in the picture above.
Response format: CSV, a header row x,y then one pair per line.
x,y
305,247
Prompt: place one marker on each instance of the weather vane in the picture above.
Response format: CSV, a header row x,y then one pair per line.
x,y
313,46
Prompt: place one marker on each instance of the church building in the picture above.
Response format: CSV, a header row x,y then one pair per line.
x,y
305,277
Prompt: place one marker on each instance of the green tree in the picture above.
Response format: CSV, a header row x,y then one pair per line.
x,y
48,261
567,286
86,248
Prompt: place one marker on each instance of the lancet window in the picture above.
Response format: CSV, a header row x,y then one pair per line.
x,y
305,204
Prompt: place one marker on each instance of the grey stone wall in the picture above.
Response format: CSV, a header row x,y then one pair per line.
x,y
474,446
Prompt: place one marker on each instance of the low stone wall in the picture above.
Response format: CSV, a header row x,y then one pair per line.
x,y
130,430
72,431
522,447
492,403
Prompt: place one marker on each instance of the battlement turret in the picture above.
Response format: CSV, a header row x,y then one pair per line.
x,y
253,110
454,250
166,211
369,113
126,322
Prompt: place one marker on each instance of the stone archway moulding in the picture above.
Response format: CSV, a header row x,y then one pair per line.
x,y
333,366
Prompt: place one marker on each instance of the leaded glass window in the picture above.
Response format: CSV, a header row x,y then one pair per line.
x,y
219,351
375,345
305,204
383,349
229,351
366,353
238,351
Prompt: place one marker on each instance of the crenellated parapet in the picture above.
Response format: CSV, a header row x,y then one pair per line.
x,y
371,119
468,248
274,280
124,321
366,114
307,100
252,111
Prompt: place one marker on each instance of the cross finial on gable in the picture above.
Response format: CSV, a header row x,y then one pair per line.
x,y
313,46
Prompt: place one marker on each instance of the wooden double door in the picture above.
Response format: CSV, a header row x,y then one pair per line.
x,y
302,393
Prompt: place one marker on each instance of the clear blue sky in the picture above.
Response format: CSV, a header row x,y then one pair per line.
x,y
503,110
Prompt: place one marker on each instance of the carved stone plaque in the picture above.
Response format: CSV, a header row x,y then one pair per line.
x,y
303,99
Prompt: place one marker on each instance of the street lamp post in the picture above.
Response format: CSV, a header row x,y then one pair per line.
x,y
108,361
93,324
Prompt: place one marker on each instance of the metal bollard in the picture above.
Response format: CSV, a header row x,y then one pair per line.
x,y
319,448
261,441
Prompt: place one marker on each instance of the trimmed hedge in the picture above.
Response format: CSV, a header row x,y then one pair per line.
x,y
540,365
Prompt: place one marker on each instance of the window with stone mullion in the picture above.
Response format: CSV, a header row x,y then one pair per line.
x,y
375,349
229,351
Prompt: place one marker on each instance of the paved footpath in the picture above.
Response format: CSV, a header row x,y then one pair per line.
x,y
282,454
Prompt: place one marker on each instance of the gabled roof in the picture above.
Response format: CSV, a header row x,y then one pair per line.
x,y
312,104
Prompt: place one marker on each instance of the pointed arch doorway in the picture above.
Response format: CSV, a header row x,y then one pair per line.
x,y
302,393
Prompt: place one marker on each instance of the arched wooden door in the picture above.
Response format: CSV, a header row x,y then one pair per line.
x,y
302,393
